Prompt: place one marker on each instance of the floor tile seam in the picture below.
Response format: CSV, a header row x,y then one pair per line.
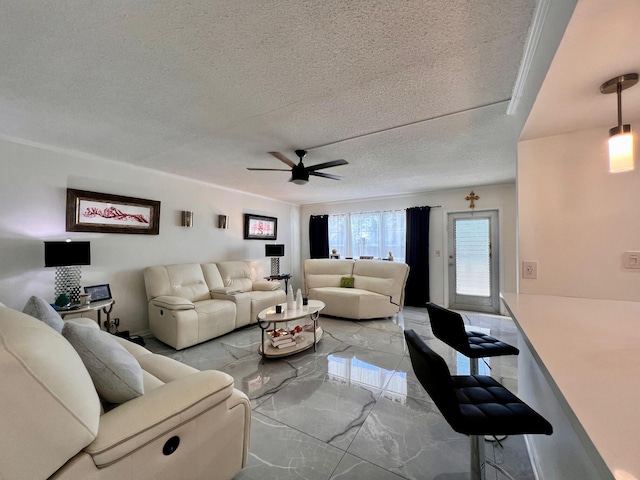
x,y
375,464
302,432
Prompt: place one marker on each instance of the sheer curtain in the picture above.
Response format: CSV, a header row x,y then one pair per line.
x,y
373,234
417,289
339,234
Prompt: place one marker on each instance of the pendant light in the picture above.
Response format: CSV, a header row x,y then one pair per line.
x,y
620,137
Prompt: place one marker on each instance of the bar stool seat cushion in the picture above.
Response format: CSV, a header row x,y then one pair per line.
x,y
481,345
486,407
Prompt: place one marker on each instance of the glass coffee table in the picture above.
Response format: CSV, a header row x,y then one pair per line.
x,y
305,318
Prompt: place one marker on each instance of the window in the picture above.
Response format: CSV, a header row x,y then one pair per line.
x,y
372,234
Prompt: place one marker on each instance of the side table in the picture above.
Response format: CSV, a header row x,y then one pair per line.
x,y
105,306
284,277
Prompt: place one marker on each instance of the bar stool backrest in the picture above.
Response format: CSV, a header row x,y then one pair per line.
x,y
434,376
448,326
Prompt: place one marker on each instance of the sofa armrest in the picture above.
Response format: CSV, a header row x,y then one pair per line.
x,y
173,303
265,286
137,422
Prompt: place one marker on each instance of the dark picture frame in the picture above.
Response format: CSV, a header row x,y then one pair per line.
x,y
99,293
259,227
106,213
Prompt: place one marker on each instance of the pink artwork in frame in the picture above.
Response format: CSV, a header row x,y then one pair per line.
x,y
105,213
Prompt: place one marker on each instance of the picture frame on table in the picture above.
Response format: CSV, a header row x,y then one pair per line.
x,y
106,213
259,227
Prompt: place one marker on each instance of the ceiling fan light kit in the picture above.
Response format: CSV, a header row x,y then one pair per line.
x,y
299,173
620,137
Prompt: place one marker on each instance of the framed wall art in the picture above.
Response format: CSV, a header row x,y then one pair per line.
x,y
257,227
105,213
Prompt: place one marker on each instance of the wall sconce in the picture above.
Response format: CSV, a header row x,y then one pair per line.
x,y
222,221
620,136
187,218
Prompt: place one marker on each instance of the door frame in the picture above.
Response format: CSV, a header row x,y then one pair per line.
x,y
497,304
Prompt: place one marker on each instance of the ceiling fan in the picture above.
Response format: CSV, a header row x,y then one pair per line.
x,y
300,173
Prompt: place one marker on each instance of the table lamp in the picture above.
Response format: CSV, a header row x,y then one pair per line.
x,y
67,257
275,251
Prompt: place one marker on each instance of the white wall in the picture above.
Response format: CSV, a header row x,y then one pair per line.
x,y
34,183
576,219
499,197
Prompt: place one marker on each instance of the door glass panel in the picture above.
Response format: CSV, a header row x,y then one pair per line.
x,y
473,257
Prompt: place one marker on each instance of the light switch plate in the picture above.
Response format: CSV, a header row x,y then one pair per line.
x,y
631,259
530,270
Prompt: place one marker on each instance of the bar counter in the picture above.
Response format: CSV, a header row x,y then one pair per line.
x,y
580,368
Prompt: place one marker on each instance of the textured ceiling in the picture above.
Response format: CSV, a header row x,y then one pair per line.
x,y
206,88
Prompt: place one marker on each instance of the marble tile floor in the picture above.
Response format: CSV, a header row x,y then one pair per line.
x,y
354,409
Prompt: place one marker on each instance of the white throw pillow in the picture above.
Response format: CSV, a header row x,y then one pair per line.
x,y
116,373
38,308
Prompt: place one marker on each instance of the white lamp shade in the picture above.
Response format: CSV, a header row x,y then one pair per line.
x,y
621,153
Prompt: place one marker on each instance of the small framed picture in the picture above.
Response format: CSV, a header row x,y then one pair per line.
x,y
257,227
104,213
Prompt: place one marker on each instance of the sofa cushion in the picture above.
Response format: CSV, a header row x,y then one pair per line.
x,y
237,274
265,286
173,303
325,273
184,280
116,374
346,282
38,308
50,408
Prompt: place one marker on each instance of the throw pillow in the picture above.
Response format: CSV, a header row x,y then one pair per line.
x,y
346,282
116,373
38,308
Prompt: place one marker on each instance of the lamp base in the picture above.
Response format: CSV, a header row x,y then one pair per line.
x,y
275,265
67,282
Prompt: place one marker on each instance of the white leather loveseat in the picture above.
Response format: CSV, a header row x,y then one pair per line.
x,y
186,424
191,303
377,291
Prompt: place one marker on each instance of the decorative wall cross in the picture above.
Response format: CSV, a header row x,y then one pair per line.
x,y
472,197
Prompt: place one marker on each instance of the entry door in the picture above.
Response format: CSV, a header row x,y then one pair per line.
x,y
474,282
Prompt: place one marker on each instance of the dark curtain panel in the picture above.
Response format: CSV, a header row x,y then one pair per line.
x,y
417,289
319,236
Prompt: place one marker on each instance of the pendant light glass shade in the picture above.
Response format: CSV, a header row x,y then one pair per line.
x,y
621,149
621,152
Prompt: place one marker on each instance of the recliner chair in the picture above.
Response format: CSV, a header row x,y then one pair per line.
x,y
187,424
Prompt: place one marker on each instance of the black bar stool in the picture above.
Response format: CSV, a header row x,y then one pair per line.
x,y
474,405
448,326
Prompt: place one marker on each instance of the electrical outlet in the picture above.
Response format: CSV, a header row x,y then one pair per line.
x,y
530,270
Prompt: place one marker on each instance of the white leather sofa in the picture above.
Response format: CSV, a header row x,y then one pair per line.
x,y
54,426
378,287
191,303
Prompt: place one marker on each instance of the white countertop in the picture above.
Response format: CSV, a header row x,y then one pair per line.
x,y
590,350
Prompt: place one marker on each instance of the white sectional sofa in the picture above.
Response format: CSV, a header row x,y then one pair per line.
x,y
184,424
378,287
190,303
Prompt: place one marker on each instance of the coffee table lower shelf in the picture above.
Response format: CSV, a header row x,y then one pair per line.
x,y
307,342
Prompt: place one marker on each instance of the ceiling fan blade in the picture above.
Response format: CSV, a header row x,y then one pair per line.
x,y
333,163
325,175
270,169
283,159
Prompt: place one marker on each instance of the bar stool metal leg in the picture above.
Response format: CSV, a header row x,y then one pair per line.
x,y
477,457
